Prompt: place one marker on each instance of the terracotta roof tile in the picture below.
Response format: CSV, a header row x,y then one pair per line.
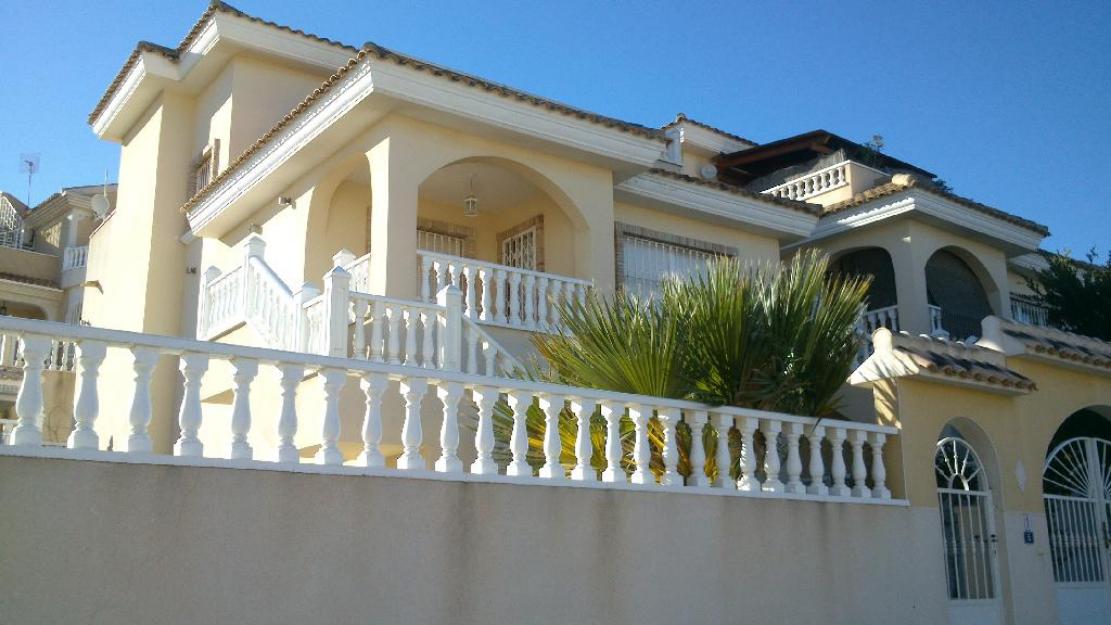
x,y
908,182
812,209
14,277
1060,344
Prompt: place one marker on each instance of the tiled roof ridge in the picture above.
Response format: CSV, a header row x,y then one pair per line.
x,y
1057,343
908,181
805,207
682,117
194,31
961,360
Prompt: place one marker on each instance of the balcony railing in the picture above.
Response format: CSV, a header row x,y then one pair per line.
x,y
501,295
780,455
821,181
1030,312
75,257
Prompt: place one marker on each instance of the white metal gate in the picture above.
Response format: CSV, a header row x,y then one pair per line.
x,y
968,534
1077,490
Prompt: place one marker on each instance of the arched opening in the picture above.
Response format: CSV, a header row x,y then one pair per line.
x,y
957,288
875,263
964,468
1076,486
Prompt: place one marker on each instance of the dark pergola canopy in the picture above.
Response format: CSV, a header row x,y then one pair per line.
x,y
741,168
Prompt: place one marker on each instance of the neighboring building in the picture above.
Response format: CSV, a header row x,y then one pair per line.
x,y
43,254
283,228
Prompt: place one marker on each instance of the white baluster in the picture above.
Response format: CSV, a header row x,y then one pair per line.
x,y
484,277
410,315
580,293
669,418
329,452
472,350
484,398
500,299
514,299
490,354
138,440
642,454
696,420
428,344
747,481
770,429
556,292
519,402
291,376
376,331
837,463
193,367
860,473
245,372
449,394
614,472
426,289
29,400
393,341
470,308
413,390
794,460
90,354
373,385
530,301
439,269
722,423
879,471
552,405
359,307
816,469
584,449
542,304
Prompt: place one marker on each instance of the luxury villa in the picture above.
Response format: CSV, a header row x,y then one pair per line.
x,y
256,382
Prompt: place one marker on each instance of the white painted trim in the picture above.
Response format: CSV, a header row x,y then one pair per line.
x,y
930,205
95,455
457,98
120,97
281,43
718,203
705,139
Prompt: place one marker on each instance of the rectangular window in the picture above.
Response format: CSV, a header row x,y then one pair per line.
x,y
205,168
519,250
647,263
440,243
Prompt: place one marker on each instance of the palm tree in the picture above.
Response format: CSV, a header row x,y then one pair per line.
x,y
772,337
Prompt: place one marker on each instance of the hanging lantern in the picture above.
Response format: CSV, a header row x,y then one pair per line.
x,y
470,203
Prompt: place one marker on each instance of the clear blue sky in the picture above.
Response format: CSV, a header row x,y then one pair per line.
x,y
1009,102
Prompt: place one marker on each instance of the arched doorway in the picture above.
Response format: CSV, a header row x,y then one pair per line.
x,y
1076,486
957,294
969,537
881,305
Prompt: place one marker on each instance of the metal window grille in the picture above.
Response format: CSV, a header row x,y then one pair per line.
x,y
648,263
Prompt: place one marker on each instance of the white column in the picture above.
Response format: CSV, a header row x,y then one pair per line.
x,y
329,452
860,473
696,420
614,472
451,330
816,469
138,440
287,418
90,354
413,390
373,385
484,398
193,366
514,299
449,394
245,372
722,423
519,402
748,481
771,429
794,460
642,454
29,400
584,449
879,471
837,462
552,405
337,283
669,418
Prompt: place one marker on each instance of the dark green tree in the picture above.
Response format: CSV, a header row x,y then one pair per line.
x,y
1077,294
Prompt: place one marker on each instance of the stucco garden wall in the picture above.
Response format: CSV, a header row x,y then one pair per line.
x,y
98,542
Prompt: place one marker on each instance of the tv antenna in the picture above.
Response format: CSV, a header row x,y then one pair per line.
x,y
29,164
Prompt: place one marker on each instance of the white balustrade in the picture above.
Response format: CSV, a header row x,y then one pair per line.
x,y
1029,312
498,294
816,183
936,329
75,257
886,317
814,464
